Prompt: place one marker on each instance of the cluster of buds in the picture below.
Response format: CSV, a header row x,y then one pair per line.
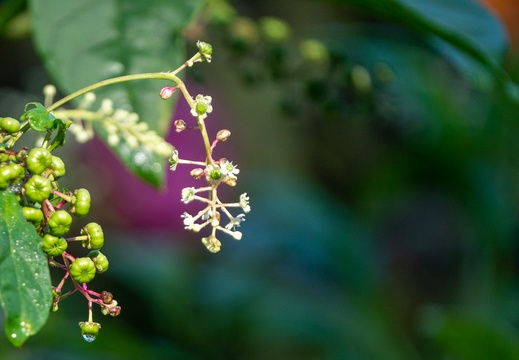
x,y
120,125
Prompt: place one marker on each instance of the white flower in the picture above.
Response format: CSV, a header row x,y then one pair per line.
x,y
244,202
235,222
202,106
228,169
188,220
173,160
188,195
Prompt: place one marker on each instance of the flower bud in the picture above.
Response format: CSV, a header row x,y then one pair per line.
x,y
205,49
180,125
197,173
107,297
223,135
167,91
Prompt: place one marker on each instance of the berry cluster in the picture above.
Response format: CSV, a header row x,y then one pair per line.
x,y
32,175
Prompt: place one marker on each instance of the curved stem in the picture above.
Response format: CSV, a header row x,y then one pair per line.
x,y
116,80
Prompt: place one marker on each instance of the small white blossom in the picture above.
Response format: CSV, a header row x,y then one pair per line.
x,y
235,222
173,160
202,106
244,202
213,173
236,235
228,169
107,107
87,100
188,195
113,140
188,220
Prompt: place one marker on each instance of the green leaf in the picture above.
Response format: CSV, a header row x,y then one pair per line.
x,y
466,337
25,287
464,31
83,42
39,118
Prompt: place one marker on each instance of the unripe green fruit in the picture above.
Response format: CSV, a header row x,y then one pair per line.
x,y
59,222
54,245
7,173
96,238
81,203
89,330
9,124
83,270
19,170
58,167
33,215
100,261
38,188
38,160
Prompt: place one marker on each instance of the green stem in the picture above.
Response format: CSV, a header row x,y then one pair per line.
x,y
156,75
116,80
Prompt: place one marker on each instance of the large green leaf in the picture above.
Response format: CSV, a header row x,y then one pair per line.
x,y
25,287
464,30
86,41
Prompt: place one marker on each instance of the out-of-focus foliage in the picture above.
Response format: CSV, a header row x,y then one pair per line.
x,y
384,221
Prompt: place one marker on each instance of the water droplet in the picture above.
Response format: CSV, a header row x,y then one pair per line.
x,y
139,158
156,167
89,338
13,335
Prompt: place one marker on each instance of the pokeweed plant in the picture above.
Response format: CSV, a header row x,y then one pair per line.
x,y
38,213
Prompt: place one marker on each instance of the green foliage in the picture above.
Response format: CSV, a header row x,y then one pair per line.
x,y
39,118
24,293
129,37
471,37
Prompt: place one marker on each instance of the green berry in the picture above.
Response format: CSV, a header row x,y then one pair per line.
x,y
9,124
89,330
96,238
58,167
99,260
33,215
54,245
59,222
82,270
38,160
19,169
81,203
7,174
38,188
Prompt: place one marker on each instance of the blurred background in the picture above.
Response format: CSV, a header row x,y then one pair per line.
x,y
384,193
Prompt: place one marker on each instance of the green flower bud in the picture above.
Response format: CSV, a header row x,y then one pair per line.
x,y
205,49
38,188
81,202
59,222
54,245
83,270
38,160
96,238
